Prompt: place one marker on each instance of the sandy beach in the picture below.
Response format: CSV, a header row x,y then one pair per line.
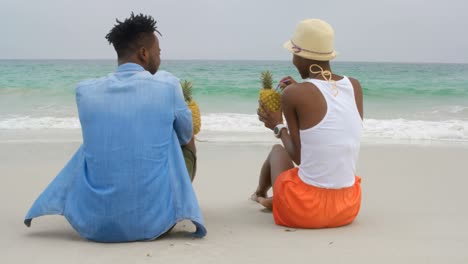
x,y
413,211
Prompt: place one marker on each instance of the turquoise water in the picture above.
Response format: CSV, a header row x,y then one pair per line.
x,y
401,100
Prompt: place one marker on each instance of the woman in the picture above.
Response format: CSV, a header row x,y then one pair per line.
x,y
324,125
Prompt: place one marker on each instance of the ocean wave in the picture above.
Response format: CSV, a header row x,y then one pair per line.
x,y
224,125
47,122
450,109
457,109
232,122
403,129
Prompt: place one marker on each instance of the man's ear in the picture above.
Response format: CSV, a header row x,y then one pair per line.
x,y
143,54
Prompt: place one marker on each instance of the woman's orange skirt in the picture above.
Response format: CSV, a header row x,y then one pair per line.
x,y
297,204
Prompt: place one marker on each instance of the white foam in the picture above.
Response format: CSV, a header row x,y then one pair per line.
x,y
232,122
451,110
236,127
47,122
457,109
402,129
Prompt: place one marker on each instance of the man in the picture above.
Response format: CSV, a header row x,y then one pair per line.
x,y
128,181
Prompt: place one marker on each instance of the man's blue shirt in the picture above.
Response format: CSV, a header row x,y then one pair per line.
x,y
128,181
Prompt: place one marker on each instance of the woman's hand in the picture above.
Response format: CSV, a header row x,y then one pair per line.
x,y
286,81
270,119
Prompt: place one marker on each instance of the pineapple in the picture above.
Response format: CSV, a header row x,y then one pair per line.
x,y
187,90
268,96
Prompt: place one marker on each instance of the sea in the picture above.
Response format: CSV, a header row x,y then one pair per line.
x,y
403,102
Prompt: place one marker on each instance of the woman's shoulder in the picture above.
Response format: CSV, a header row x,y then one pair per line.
x,y
302,93
299,89
354,81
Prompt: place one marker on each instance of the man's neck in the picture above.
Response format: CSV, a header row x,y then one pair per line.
x,y
121,61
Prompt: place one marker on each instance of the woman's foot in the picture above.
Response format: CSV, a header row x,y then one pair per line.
x,y
266,202
256,195
261,198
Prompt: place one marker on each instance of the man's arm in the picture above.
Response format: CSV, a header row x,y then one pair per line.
x,y
183,117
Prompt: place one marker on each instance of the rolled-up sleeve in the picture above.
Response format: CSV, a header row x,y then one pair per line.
x,y
183,117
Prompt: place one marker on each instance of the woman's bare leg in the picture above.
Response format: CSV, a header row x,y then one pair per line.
x,y
277,161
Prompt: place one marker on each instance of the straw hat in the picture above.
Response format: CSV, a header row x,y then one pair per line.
x,y
313,39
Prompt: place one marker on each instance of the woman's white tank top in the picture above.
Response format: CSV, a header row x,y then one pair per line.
x,y
330,149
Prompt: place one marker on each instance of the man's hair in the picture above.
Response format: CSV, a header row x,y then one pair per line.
x,y
127,36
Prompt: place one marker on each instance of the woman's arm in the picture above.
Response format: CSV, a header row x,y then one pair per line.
x,y
291,137
358,96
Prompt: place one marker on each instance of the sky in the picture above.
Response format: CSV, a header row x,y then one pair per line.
x,y
365,30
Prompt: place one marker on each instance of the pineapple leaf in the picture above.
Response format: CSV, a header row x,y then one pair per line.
x,y
186,89
267,80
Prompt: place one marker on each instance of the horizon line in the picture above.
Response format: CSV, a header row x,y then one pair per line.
x,y
238,60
